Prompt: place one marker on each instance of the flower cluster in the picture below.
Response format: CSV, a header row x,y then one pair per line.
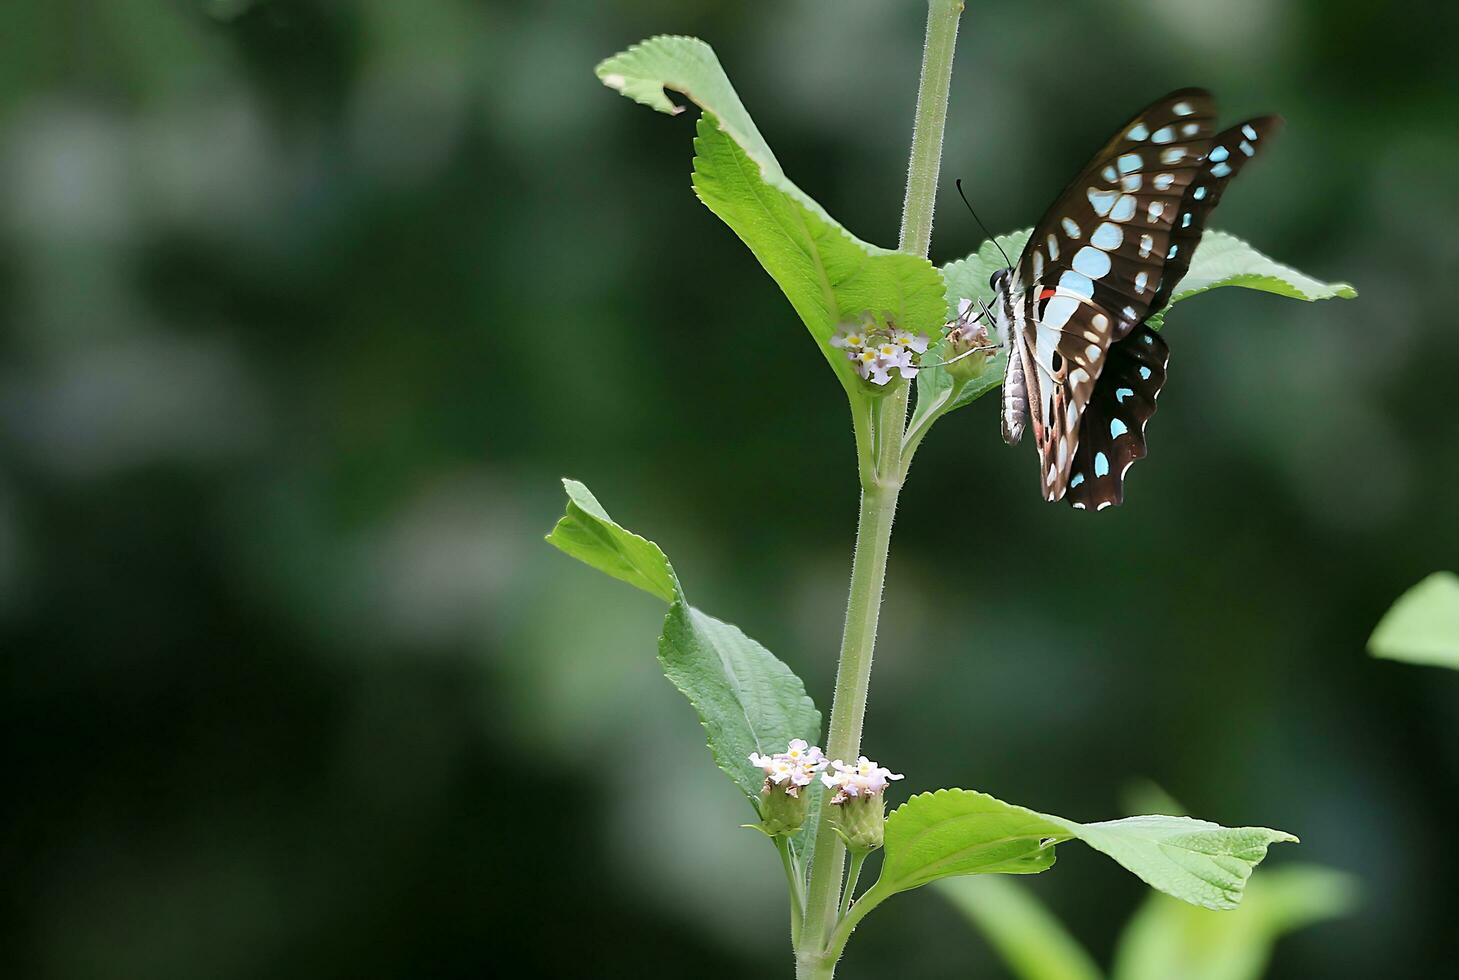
x,y
878,350
795,767
863,779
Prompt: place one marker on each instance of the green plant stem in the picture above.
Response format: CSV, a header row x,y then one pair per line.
x,y
843,740
793,880
881,483
854,914
927,130
849,892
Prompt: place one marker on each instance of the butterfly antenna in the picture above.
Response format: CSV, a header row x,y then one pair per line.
x,y
979,220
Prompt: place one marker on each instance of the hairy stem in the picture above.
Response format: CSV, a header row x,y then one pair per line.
x,y
932,95
821,940
793,881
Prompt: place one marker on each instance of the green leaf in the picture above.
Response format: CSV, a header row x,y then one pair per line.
x,y
747,700
1220,260
1168,939
1225,260
1422,627
829,275
960,832
689,66
588,534
1033,943
1195,861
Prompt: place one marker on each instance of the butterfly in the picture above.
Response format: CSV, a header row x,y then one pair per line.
x,y
1084,367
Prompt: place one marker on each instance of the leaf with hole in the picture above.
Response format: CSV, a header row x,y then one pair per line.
x,y
830,276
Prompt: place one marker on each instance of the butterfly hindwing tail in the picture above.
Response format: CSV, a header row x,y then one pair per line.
x,y
1112,434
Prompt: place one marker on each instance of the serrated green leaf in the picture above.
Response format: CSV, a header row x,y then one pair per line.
x,y
959,832
747,700
1220,260
829,275
1195,861
1032,942
1168,939
1422,627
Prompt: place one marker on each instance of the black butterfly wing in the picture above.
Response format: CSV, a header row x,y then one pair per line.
x,y
1112,432
1124,203
1093,265
1229,151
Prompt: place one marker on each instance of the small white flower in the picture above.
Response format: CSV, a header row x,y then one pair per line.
x,y
914,342
797,765
881,352
864,778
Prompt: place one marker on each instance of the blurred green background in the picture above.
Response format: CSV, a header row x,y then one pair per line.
x,y
308,305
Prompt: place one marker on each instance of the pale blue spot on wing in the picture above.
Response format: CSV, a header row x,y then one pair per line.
x,y
1129,163
1117,428
1144,373
1071,281
1122,393
1173,250
1078,479
1090,261
1199,194
1124,208
1139,132
1101,464
1102,201
1250,133
1221,170
1217,154
1107,236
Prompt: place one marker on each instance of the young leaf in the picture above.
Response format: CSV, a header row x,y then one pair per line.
x,y
1168,939
829,275
1033,943
1220,260
960,832
1422,627
588,534
747,700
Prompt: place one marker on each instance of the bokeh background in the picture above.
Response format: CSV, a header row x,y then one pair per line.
x,y
308,305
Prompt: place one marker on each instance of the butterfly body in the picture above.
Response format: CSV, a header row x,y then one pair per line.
x,y
1084,370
